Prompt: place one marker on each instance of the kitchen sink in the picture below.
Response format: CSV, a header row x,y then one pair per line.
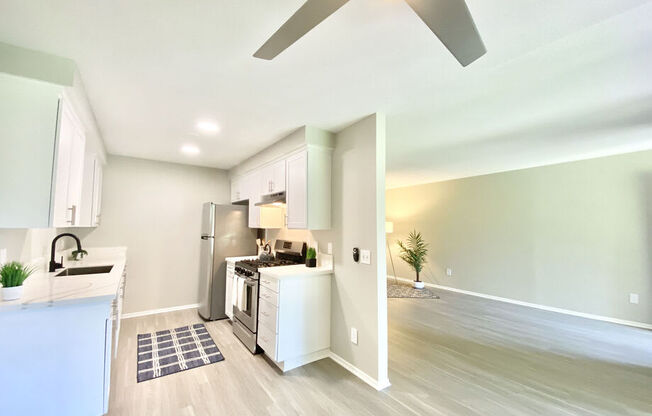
x,y
75,271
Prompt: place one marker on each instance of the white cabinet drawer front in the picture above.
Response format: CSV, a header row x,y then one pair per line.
x,y
269,296
267,341
269,283
268,315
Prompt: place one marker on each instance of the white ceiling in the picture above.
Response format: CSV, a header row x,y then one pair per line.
x,y
562,79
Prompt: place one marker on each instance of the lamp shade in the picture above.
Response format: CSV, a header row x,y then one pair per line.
x,y
389,227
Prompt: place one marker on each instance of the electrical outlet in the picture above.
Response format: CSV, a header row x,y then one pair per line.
x,y
633,298
449,272
365,256
330,248
354,336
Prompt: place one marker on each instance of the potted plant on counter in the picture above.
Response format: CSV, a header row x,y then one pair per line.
x,y
311,257
12,276
414,253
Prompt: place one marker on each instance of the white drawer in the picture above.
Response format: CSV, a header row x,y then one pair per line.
x,y
269,282
268,315
268,295
267,341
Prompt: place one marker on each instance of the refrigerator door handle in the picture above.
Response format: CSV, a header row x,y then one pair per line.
x,y
206,237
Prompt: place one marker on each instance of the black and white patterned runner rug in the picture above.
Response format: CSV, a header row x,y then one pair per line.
x,y
167,352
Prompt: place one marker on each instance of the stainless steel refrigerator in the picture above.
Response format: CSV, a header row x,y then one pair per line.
x,y
225,233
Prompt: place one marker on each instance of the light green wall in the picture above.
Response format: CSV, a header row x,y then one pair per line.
x,y
576,236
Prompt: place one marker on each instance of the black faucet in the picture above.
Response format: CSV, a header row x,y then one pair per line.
x,y
53,264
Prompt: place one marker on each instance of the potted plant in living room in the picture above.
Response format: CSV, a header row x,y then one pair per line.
x,y
414,252
311,257
12,276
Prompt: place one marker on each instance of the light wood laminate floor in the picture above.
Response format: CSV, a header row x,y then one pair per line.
x,y
458,355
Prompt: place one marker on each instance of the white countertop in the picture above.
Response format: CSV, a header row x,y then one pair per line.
x,y
234,259
297,270
44,287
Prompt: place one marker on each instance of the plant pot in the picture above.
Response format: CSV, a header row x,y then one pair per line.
x,y
311,262
12,293
418,285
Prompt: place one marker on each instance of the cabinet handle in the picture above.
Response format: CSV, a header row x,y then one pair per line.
x,y
73,211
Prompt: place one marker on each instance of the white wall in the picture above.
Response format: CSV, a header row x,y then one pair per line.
x,y
154,208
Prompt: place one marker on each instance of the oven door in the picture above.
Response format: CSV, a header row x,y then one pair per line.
x,y
246,309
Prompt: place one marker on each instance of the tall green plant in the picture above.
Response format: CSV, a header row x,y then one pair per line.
x,y
414,251
14,274
311,254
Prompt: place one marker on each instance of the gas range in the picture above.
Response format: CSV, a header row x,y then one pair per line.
x,y
252,266
287,253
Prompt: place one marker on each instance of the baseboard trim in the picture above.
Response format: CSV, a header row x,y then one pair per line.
x,y
359,373
156,311
536,305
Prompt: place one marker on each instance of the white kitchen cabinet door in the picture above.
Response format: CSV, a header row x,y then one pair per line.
x,y
272,178
297,190
69,170
96,210
308,193
253,194
91,204
237,189
278,176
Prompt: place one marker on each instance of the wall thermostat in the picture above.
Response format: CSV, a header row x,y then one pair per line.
x,y
356,254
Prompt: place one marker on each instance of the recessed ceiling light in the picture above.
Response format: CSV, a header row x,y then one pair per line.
x,y
190,149
208,127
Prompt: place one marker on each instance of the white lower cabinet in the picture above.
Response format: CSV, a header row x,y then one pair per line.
x,y
61,356
294,319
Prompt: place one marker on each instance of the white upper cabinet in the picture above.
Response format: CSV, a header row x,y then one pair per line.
x,y
96,208
92,191
69,170
304,176
251,181
272,178
308,192
238,191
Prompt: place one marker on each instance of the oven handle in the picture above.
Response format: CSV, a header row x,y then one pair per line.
x,y
251,282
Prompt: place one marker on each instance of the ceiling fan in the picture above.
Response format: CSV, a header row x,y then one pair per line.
x,y
450,20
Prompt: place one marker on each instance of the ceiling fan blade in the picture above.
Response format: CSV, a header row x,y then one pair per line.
x,y
451,21
302,21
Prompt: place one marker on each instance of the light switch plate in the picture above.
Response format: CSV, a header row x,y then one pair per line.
x,y
365,256
354,336
330,248
633,298
3,256
449,272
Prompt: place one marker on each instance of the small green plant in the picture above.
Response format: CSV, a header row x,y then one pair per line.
x,y
14,274
311,254
414,252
